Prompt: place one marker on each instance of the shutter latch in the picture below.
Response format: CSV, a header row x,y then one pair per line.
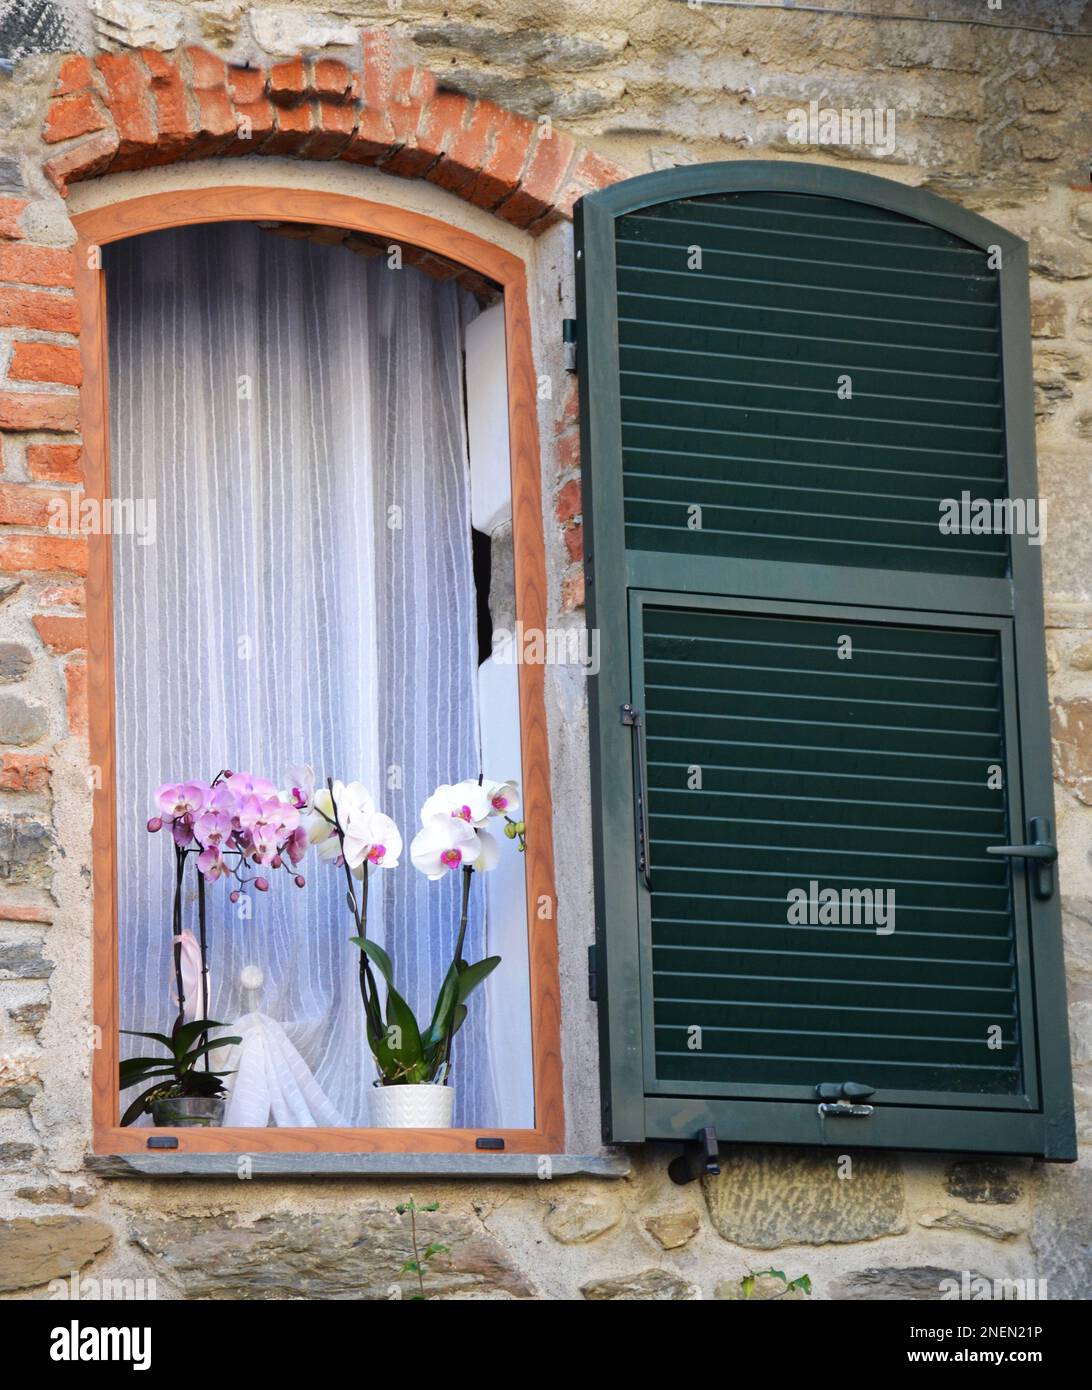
x,y
1040,854
842,1098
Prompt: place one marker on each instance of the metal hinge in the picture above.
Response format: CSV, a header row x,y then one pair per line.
x,y
568,340
593,975
841,1099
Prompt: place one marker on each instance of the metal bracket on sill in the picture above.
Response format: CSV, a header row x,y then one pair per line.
x,y
697,1159
841,1099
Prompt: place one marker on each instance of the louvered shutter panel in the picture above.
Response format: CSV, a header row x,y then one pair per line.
x,y
807,688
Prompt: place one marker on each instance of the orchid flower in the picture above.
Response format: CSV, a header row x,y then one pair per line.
x,y
301,786
467,801
503,797
367,836
446,842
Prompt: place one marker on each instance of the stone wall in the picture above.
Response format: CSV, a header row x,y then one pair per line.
x,y
990,117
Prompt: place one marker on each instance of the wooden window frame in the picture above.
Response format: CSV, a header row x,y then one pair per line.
x,y
631,1113
157,212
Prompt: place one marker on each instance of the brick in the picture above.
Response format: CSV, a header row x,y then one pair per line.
x,y
21,505
568,452
336,124
288,82
541,183
216,121
69,117
86,160
57,313
294,129
372,140
377,51
567,504
596,172
43,554
245,85
572,589
61,635
127,96
75,676
46,362
574,542
76,74
54,463
176,131
52,266
590,172
411,92
17,912
34,410
511,139
10,211
23,772
63,596
332,80
457,127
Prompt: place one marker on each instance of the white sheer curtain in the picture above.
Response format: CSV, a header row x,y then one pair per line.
x,y
296,412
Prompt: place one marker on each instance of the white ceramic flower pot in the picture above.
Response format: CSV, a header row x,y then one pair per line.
x,y
412,1107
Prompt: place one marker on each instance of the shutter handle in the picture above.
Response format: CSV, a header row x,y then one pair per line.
x,y
1042,853
631,717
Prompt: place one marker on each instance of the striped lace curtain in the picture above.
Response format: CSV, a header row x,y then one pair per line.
x,y
296,412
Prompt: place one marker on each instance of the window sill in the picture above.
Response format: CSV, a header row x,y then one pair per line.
x,y
359,1165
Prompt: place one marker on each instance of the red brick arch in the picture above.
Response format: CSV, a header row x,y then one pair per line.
x,y
125,111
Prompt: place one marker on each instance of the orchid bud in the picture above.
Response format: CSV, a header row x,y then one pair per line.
x,y
262,885
510,830
156,823
235,896
300,880
277,861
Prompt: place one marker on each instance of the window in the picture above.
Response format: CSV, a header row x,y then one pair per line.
x,y
822,695
321,580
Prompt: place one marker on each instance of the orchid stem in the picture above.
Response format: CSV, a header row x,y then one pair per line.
x,y
205,1004
179,870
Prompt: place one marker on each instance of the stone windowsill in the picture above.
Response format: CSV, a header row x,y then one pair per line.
x,y
483,1167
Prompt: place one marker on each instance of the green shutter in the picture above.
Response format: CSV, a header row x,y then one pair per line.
x,y
785,371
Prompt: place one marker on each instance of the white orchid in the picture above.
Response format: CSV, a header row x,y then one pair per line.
x,y
453,818
446,842
367,836
466,801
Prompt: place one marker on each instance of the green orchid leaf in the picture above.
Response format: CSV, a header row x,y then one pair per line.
x,y
140,1105
471,976
133,1067
187,1062
376,955
187,1035
167,1042
445,1002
